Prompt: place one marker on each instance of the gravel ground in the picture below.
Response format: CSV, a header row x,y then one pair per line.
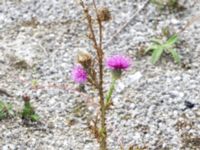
x,y
39,40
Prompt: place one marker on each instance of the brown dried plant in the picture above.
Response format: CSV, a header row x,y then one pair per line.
x,y
102,15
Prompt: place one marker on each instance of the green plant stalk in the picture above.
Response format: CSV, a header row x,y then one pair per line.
x,y
103,130
110,92
29,113
26,110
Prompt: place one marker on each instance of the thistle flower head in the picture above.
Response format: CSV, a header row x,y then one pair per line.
x,y
118,62
79,75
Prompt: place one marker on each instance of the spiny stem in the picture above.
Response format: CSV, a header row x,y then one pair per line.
x,y
98,47
103,130
100,26
103,136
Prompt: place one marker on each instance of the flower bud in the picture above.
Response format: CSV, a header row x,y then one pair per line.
x,y
26,98
104,14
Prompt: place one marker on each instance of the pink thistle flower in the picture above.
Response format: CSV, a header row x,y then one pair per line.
x,y
118,62
79,75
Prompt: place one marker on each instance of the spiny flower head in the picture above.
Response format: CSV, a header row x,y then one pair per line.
x,y
118,62
79,75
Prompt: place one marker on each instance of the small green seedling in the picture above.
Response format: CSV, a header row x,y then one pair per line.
x,y
168,4
161,4
158,47
6,110
28,112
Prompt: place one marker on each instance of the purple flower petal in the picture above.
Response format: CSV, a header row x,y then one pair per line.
x,y
79,75
118,62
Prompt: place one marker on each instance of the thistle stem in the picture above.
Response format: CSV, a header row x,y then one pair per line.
x,y
100,54
103,130
110,92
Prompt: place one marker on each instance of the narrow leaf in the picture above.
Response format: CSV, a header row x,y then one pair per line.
x,y
175,55
171,41
35,117
151,47
156,41
156,55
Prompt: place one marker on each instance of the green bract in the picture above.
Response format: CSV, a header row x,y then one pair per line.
x,y
158,47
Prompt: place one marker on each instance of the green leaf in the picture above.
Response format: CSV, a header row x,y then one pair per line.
x,y
156,55
2,115
6,110
35,117
175,55
171,41
1,105
156,41
152,47
173,3
10,110
157,2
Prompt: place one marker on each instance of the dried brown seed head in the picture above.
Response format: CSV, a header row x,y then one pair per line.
x,y
84,58
104,14
90,35
26,98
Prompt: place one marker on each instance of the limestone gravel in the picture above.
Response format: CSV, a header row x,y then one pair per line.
x,y
149,102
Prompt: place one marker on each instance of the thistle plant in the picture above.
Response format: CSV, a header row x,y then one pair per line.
x,y
6,110
117,64
28,112
90,70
